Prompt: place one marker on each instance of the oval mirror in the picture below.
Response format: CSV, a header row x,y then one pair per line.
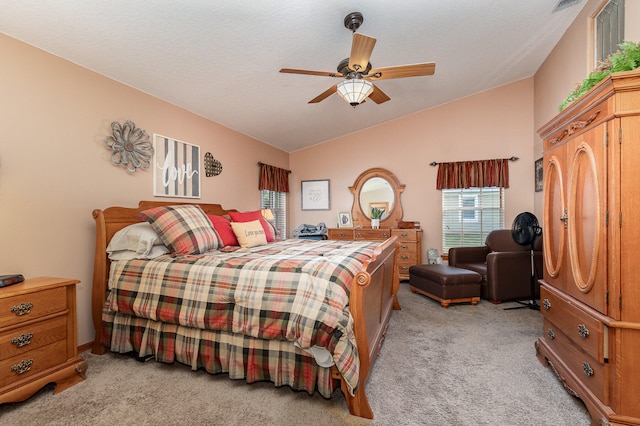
x,y
379,188
377,192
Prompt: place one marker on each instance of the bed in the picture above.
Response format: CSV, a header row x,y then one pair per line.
x,y
178,307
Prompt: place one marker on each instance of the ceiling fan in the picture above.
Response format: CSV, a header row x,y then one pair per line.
x,y
357,72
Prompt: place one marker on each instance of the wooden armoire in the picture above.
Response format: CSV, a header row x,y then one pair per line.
x,y
590,292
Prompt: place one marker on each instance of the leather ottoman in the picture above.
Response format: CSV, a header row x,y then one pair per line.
x,y
446,284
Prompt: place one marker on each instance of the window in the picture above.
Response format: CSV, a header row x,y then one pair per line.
x,y
608,30
277,202
468,215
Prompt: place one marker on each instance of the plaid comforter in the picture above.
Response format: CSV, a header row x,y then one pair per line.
x,y
293,290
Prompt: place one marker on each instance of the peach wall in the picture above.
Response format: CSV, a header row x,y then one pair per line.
x,y
569,63
55,169
492,124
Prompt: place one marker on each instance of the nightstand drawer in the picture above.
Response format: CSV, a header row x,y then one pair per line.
x,y
27,307
30,363
32,336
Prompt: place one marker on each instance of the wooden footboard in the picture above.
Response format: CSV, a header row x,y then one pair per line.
x,y
373,293
373,296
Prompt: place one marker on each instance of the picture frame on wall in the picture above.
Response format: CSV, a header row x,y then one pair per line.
x,y
176,168
315,194
344,220
539,177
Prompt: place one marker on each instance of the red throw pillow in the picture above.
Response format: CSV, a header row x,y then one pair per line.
x,y
224,230
251,216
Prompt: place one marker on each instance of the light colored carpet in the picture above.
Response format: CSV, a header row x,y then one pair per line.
x,y
464,365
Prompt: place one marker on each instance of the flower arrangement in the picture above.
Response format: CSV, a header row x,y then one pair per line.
x,y
627,58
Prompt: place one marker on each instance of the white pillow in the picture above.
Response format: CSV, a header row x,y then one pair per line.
x,y
130,254
138,238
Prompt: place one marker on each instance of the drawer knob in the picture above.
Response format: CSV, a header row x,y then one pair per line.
x,y
384,234
404,235
546,304
22,367
403,247
583,331
404,268
403,257
22,340
588,371
358,234
342,234
551,334
22,309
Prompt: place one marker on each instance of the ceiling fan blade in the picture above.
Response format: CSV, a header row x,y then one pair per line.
x,y
309,72
378,96
361,48
324,95
402,71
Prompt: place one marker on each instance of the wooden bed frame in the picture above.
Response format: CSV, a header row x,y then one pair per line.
x,y
373,293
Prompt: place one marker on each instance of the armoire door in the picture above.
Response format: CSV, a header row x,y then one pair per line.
x,y
555,219
586,204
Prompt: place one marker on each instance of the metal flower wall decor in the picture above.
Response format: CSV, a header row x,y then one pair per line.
x,y
131,146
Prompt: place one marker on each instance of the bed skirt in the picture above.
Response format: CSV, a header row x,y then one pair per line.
x,y
239,356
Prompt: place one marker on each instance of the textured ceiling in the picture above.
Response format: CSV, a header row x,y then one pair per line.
x,y
220,59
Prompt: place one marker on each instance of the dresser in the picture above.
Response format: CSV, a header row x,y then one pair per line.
x,y
38,343
590,296
408,251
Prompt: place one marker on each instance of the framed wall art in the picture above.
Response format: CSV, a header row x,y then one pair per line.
x,y
315,194
176,168
538,169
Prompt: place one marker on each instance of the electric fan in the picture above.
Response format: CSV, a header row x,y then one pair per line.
x,y
524,231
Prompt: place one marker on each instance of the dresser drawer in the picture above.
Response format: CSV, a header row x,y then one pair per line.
x,y
340,234
407,258
28,337
372,234
408,247
27,307
589,371
583,329
32,362
406,234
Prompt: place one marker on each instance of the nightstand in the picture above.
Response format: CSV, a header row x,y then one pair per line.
x,y
38,342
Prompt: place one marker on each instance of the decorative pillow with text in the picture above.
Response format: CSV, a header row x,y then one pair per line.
x,y
249,234
250,216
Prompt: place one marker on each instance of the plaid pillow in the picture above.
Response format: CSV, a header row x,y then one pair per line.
x,y
184,229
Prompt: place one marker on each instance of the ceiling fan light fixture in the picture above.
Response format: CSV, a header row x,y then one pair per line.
x,y
355,90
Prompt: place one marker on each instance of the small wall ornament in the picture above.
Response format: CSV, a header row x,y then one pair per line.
x,y
212,167
131,146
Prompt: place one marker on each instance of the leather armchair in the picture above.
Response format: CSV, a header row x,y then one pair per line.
x,y
505,266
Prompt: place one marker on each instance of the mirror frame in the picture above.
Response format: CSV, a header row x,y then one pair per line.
x,y
360,219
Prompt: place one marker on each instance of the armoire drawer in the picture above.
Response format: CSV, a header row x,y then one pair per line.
x,y
583,329
588,370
